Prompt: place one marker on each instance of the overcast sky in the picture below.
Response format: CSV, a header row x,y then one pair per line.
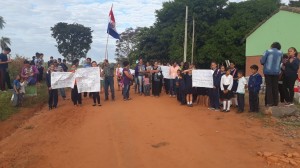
x,y
28,22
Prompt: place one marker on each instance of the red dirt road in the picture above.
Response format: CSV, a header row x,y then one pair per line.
x,y
145,132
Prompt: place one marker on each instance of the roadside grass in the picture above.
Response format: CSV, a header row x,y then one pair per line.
x,y
6,108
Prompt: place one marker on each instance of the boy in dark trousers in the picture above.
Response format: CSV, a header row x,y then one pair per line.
x,y
254,84
214,93
53,93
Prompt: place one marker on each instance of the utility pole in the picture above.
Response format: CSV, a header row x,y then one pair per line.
x,y
185,37
193,41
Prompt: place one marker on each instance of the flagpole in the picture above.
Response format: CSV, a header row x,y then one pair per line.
x,y
106,53
185,34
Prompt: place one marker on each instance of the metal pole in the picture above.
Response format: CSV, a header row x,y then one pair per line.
x,y
106,53
185,37
193,41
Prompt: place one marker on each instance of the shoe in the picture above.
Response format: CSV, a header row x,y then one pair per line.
x,y
50,108
99,105
191,105
94,104
106,99
227,111
223,110
217,109
211,108
170,95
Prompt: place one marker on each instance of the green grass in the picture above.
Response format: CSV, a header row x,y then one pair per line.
x,y
6,108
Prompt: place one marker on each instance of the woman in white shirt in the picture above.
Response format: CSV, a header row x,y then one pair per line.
x,y
226,86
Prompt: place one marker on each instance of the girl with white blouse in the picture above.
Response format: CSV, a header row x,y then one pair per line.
x,y
226,86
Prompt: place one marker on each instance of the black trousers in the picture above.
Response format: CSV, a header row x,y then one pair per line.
x,y
241,101
156,88
86,93
271,90
40,75
53,98
282,92
214,97
253,101
289,82
75,96
96,96
2,79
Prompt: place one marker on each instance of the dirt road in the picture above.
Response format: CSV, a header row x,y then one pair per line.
x,y
145,132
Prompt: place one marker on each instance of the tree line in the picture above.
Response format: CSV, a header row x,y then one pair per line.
x,y
220,31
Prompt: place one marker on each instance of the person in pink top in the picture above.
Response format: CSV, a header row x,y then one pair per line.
x,y
146,85
173,74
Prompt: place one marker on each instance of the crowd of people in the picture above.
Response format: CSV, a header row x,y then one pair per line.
x,y
229,84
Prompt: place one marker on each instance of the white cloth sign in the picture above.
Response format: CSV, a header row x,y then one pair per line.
x,y
203,78
88,79
132,71
166,72
62,80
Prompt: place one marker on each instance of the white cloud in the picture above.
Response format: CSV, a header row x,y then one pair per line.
x,y
28,22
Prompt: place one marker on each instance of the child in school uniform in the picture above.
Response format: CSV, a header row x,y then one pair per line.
x,y
146,85
242,84
254,84
226,86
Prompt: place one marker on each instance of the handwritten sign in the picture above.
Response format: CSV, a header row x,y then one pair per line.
x,y
88,79
62,80
166,72
203,78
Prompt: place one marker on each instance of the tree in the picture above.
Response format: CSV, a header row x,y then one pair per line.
x,y
2,22
4,41
73,40
294,3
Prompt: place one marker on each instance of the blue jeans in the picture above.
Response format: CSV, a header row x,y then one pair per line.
x,y
136,84
126,90
172,87
141,78
109,82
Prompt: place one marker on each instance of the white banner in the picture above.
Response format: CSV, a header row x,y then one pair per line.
x,y
62,80
165,71
203,78
88,79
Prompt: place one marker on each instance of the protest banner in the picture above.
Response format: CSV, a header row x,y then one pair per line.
x,y
165,71
62,80
203,78
88,79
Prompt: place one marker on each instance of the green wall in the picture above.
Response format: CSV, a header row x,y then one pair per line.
x,y
283,27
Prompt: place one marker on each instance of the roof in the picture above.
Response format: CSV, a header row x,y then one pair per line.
x,y
282,8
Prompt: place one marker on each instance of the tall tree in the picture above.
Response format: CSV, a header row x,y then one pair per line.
x,y
73,40
2,22
4,41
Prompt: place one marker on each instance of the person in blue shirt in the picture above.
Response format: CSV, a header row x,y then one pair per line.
x,y
254,84
271,61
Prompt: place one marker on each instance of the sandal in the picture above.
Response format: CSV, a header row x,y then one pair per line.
x,y
99,105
